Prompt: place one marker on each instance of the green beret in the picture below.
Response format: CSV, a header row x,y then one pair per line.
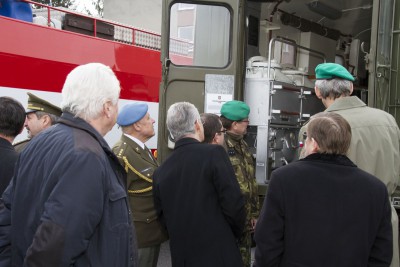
x,y
328,71
37,104
235,110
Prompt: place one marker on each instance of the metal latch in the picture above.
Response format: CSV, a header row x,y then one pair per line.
x,y
396,202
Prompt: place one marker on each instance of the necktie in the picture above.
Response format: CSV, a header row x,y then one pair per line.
x,y
149,153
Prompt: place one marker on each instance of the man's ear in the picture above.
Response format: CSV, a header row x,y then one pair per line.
x,y
136,126
315,146
351,88
46,120
234,124
106,109
197,125
318,92
214,140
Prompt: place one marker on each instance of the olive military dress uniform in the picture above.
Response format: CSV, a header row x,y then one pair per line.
x,y
140,165
36,104
243,164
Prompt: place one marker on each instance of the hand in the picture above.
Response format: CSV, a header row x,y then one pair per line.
x,y
253,222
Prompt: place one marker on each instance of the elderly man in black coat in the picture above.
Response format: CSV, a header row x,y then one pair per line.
x,y
197,196
323,210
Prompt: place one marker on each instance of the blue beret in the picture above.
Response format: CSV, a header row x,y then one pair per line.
x,y
328,71
132,113
235,110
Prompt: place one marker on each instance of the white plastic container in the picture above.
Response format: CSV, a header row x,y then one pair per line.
x,y
299,78
257,67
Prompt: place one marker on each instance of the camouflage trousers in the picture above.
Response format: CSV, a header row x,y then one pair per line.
x,y
245,248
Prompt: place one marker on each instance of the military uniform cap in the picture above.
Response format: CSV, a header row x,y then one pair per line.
x,y
37,104
132,113
235,110
327,71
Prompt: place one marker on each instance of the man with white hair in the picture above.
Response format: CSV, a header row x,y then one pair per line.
x,y
67,203
197,196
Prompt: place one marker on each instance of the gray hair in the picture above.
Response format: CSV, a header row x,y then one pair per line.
x,y
334,88
87,88
181,118
53,118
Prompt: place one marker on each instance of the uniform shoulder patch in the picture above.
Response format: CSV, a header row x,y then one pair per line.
x,y
19,146
21,142
120,151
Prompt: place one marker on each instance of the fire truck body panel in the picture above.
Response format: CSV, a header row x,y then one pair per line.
x,y
38,58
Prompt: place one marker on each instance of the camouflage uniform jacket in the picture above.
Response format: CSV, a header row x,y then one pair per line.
x,y
243,164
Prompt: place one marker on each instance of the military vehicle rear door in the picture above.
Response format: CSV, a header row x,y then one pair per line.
x,y
202,59
384,64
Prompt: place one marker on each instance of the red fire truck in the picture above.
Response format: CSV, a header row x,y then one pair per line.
x,y
36,56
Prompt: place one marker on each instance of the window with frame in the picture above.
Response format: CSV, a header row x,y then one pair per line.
x,y
201,37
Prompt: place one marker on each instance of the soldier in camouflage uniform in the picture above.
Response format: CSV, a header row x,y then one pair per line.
x,y
234,117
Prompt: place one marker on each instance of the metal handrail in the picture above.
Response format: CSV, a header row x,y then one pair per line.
x,y
91,18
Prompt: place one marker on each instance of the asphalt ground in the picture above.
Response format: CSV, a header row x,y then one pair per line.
x,y
164,259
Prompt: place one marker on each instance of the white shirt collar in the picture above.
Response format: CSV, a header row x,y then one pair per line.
x,y
137,141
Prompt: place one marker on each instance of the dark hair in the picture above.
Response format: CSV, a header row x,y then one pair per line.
x,y
12,117
211,124
331,131
226,123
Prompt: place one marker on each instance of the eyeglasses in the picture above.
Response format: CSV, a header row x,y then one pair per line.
x,y
221,132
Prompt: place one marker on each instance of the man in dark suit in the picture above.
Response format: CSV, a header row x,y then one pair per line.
x,y
12,118
139,163
322,210
197,196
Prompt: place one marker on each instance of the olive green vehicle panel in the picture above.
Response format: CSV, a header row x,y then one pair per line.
x,y
187,83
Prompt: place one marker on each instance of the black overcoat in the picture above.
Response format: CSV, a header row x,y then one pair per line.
x,y
324,211
8,158
198,198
